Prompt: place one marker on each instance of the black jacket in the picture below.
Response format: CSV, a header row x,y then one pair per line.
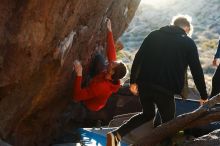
x,y
163,59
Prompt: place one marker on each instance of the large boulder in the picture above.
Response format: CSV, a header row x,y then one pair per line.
x,y
39,41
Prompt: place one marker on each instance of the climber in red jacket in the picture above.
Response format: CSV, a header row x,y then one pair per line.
x,y
104,82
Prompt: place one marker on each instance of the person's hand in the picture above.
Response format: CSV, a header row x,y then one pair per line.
x,y
109,26
134,88
77,67
119,46
202,101
214,62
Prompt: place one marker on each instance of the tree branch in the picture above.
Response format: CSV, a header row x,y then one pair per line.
x,y
167,129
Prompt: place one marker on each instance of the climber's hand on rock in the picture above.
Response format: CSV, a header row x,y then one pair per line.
x,y
77,67
109,26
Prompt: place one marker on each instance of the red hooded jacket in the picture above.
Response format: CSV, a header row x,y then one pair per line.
x,y
96,94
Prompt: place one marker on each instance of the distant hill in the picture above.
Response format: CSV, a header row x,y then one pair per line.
x,y
204,13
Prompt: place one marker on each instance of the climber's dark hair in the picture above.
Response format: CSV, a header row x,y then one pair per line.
x,y
119,72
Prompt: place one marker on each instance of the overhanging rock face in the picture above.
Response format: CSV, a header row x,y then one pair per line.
x,y
39,41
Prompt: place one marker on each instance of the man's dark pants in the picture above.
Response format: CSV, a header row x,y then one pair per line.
x,y
149,97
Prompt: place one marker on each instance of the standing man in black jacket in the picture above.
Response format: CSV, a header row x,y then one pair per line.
x,y
158,73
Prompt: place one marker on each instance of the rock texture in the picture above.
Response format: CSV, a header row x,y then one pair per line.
x,y
39,41
212,139
2,143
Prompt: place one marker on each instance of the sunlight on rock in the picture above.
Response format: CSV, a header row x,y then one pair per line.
x,y
214,137
126,12
64,47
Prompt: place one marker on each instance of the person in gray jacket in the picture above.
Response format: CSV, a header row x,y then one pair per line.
x,y
216,76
